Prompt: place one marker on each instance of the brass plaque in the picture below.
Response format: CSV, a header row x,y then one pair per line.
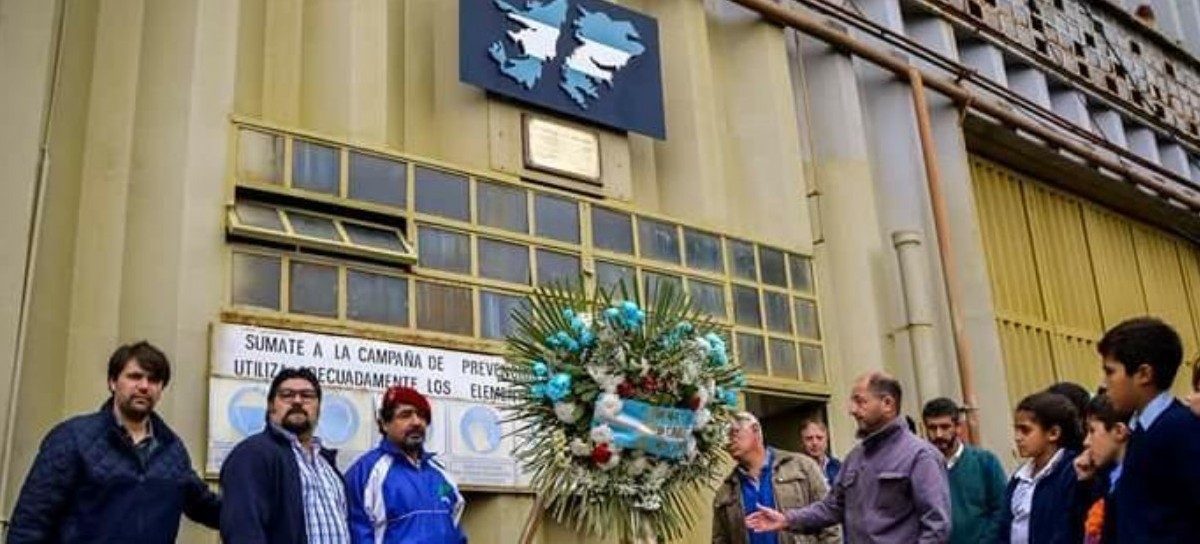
x,y
560,149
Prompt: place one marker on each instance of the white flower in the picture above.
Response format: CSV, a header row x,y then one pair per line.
x,y
639,465
704,397
586,318
568,412
579,448
691,449
609,405
602,434
607,382
613,461
703,416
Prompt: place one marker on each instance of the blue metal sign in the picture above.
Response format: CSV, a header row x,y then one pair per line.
x,y
584,58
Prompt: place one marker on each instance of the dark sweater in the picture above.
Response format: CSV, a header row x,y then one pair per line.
x,y
260,485
977,493
1058,509
1157,499
88,484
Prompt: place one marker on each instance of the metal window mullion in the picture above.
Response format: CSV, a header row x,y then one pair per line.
x,y
343,293
343,171
285,283
287,161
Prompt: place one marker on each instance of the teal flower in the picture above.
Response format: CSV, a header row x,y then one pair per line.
x,y
729,397
540,369
538,391
559,387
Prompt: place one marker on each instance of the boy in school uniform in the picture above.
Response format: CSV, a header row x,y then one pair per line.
x,y
1101,464
1157,498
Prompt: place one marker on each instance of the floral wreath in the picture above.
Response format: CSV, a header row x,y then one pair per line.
x,y
626,409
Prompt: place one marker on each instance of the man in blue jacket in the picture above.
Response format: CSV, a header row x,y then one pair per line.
x,y
281,486
398,492
117,475
1157,497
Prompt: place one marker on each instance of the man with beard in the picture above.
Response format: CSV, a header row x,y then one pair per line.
x,y
398,493
977,481
281,486
892,488
116,475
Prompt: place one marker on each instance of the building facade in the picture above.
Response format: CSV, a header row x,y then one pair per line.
x,y
176,170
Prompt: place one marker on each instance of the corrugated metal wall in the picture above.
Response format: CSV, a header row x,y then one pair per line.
x,y
1063,269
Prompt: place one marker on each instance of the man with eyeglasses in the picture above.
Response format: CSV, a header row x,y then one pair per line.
x,y
281,486
399,493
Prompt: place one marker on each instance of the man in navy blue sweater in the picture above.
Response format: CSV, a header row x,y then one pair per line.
x,y
118,474
1157,497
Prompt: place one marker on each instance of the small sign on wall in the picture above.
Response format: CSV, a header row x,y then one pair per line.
x,y
560,149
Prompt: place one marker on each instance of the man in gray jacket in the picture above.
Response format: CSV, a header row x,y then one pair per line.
x,y
893,487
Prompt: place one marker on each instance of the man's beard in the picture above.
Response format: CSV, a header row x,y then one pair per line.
x,y
413,442
296,427
135,412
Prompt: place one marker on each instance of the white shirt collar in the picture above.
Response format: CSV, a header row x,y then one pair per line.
x,y
1150,413
1025,473
957,455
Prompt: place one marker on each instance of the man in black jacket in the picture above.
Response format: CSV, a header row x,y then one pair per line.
x,y
280,486
116,475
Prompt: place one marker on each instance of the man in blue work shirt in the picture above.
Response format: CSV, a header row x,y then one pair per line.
x,y
765,477
397,492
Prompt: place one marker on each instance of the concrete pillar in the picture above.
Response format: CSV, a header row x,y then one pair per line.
x,y
1143,142
849,249
1189,23
1071,105
27,39
1174,158
1111,127
985,58
1030,83
692,163
1167,17
283,46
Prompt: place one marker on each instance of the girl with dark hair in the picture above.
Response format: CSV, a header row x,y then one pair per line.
x,y
1045,501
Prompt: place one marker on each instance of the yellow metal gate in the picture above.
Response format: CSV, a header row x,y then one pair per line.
x,y
1063,269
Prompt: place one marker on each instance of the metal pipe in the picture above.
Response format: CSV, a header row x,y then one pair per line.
x,y
813,27
918,312
941,224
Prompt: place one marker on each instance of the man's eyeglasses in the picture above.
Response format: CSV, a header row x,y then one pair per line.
x,y
306,395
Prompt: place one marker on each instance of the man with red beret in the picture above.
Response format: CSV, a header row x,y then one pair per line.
x,y
397,492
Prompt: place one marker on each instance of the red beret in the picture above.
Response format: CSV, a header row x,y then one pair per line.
x,y
398,394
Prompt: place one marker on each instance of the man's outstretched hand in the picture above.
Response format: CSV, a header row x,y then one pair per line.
x,y
766,520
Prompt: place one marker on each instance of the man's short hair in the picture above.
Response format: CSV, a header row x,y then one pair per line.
x,y
289,373
150,358
742,420
818,423
883,385
1145,341
941,407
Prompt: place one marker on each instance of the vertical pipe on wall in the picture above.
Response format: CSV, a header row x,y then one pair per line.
x,y
919,313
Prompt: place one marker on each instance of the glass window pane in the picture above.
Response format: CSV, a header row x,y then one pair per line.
x,y
707,298
495,314
741,256
612,231
703,251
610,276
502,207
441,193
373,237
557,218
263,217
315,167
779,315
444,308
313,289
444,250
783,359
658,240
654,282
751,353
313,226
770,261
503,261
554,267
808,323
801,269
256,280
745,306
260,157
376,179
813,362
376,298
